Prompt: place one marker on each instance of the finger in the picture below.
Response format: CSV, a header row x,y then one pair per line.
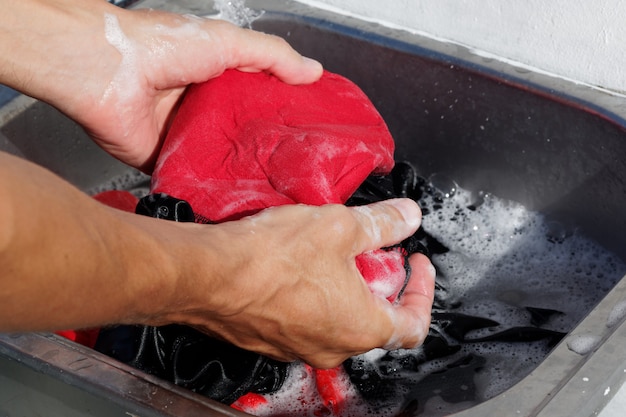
x,y
386,222
255,51
411,316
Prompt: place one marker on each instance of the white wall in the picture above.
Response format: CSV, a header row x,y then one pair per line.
x,y
583,40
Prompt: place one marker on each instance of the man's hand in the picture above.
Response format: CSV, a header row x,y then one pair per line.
x,y
120,73
289,286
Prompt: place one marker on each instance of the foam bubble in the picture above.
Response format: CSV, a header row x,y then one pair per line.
x,y
583,343
501,252
121,85
617,314
236,12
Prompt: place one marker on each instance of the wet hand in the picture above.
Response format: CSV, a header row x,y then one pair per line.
x,y
294,292
120,73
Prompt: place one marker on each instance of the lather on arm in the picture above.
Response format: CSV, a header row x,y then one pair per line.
x,y
283,283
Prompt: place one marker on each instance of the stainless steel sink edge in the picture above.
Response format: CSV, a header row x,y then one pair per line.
x,y
566,383
127,391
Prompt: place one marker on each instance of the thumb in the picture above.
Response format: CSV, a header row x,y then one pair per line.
x,y
386,223
410,317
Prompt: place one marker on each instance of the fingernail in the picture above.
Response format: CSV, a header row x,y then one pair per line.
x,y
311,62
410,211
314,66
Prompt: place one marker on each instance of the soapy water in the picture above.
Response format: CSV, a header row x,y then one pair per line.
x,y
236,12
510,285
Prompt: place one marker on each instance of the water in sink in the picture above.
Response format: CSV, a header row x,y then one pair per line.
x,y
511,283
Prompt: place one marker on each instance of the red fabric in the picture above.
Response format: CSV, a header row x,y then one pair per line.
x,y
243,142
330,388
86,337
122,200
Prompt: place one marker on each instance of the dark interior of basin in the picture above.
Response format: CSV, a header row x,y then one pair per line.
x,y
547,153
489,134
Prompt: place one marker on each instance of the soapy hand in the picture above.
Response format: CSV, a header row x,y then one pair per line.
x,y
283,282
120,73
302,296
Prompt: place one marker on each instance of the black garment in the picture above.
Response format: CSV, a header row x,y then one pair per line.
x,y
183,355
405,378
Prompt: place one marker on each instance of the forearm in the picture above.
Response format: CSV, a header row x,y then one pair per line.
x,y
68,261
40,41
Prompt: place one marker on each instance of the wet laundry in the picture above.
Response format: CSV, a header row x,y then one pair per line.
x,y
231,153
241,143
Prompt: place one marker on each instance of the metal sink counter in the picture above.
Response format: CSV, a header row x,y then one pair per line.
x,y
555,146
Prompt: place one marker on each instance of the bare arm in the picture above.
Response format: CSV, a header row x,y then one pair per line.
x,y
283,283
70,262
120,73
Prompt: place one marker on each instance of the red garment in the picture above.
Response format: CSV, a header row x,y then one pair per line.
x,y
122,200
243,142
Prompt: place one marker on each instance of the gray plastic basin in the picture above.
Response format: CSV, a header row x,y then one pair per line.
x,y
555,146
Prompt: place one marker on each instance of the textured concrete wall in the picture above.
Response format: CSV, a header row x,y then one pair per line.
x,y
576,39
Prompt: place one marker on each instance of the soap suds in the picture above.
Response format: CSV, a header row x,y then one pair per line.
x,y
121,85
617,314
236,12
583,344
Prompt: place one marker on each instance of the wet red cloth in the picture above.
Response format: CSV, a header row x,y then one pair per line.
x,y
243,142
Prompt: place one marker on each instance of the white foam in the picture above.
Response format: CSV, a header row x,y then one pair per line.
x,y
299,397
617,314
501,259
120,85
583,344
236,12
504,250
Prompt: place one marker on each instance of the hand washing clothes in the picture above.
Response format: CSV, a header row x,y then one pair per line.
x,y
240,143
243,142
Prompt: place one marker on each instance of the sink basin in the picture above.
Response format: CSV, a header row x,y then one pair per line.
x,y
552,145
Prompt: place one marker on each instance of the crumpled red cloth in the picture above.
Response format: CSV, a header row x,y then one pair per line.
x,y
243,142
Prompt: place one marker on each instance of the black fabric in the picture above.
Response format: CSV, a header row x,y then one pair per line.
x,y
163,206
441,366
183,355
193,360
224,372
